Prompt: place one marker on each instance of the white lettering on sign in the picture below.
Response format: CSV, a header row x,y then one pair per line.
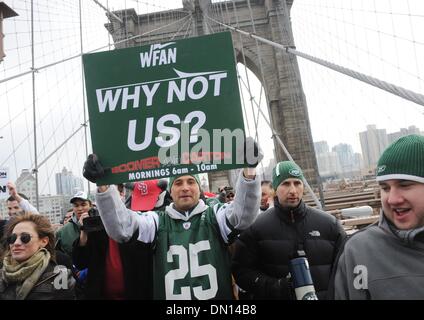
x,y
4,178
193,86
158,55
200,82
198,117
110,98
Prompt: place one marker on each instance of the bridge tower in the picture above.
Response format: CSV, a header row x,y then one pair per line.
x,y
281,77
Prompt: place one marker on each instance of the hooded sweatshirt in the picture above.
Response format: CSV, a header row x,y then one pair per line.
x,y
382,262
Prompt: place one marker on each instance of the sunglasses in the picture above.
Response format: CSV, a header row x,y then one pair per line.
x,y
25,238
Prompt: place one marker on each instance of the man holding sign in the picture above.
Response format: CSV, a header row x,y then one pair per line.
x,y
191,259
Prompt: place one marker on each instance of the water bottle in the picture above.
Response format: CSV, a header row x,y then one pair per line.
x,y
301,279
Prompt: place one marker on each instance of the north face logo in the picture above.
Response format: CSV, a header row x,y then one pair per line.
x,y
315,233
294,172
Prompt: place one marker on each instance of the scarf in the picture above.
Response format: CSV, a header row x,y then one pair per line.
x,y
25,274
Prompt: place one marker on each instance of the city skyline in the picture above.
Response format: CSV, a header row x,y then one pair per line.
x,y
365,127
352,34
341,160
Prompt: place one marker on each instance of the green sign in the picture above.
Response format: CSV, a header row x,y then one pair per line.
x,y
164,109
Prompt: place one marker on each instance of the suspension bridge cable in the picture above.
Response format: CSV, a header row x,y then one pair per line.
x,y
245,70
380,55
287,153
259,55
107,10
298,101
386,86
187,22
84,109
243,104
35,171
33,69
189,29
63,143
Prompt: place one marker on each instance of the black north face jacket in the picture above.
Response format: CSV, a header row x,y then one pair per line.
x,y
262,252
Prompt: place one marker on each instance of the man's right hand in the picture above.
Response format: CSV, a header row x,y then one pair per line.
x,y
82,217
12,188
13,192
93,169
83,234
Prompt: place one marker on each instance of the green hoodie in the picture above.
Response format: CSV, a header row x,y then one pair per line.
x,y
66,236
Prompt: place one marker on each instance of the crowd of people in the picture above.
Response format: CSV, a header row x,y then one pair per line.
x,y
161,239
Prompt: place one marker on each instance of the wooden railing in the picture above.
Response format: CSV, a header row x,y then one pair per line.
x,y
335,201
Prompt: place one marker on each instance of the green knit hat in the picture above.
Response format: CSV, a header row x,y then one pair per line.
x,y
403,159
284,170
172,179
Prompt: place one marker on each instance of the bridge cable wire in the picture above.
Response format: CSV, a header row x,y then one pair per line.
x,y
34,70
258,52
275,135
286,34
63,143
85,122
246,74
386,86
84,107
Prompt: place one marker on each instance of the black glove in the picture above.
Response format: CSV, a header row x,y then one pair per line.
x,y
93,169
163,184
252,153
129,185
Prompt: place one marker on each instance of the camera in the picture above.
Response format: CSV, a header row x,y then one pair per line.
x,y
93,212
93,222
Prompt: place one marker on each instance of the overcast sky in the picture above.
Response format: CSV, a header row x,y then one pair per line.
x,y
381,38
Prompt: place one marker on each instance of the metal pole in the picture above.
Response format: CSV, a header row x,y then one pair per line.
x,y
321,192
35,170
83,92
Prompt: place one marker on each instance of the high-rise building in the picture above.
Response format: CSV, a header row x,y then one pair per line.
x,y
52,207
321,147
345,153
328,165
358,163
328,162
392,137
373,143
26,184
67,183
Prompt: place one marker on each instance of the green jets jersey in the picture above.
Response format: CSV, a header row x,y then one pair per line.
x,y
212,201
191,259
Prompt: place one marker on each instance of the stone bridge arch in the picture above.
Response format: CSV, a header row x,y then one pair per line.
x,y
286,100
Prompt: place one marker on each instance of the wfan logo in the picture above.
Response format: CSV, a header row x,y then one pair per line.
x,y
158,54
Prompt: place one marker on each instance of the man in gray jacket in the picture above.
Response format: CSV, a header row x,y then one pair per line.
x,y
386,260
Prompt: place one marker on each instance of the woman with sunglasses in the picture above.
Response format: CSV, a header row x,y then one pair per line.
x,y
29,270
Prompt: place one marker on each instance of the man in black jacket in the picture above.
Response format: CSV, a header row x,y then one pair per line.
x,y
262,253
118,271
